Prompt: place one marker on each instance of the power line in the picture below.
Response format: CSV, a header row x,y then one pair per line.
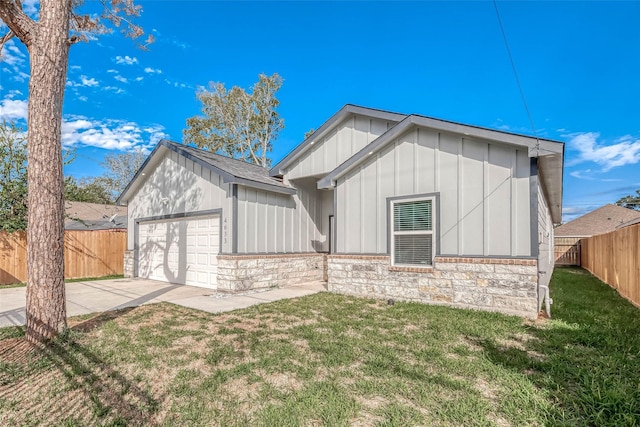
x,y
515,73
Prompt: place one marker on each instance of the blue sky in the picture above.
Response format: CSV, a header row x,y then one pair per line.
x,y
578,63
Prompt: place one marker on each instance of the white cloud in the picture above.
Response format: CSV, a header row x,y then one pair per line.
x,y
30,7
21,76
84,82
121,79
12,55
624,151
127,60
12,94
139,79
114,89
570,213
150,70
13,109
75,67
175,84
82,131
109,134
14,60
581,174
83,98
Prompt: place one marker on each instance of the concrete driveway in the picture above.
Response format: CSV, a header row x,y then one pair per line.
x,y
104,295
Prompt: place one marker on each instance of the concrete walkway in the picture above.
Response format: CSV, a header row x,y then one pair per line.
x,y
104,295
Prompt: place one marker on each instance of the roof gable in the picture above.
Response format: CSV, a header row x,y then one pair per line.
x,y
231,170
327,127
550,153
602,220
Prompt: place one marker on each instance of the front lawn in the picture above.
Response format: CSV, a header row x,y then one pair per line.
x,y
333,360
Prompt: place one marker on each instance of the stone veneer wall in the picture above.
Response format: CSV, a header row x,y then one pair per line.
x,y
238,273
128,264
504,285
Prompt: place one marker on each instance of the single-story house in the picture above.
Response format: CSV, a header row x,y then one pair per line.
x,y
379,204
85,216
603,220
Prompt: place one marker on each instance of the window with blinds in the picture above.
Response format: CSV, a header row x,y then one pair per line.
x,y
412,235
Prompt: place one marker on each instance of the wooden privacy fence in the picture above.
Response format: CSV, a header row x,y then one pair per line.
x,y
615,259
86,254
567,250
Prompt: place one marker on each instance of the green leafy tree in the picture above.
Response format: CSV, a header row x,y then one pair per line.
x,y
86,190
119,169
630,201
236,123
48,37
13,177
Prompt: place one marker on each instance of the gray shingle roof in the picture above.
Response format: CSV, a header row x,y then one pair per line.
x,y
232,171
237,168
92,211
602,220
118,223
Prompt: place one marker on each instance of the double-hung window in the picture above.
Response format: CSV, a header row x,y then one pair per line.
x,y
412,240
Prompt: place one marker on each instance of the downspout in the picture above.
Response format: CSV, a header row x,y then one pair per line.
x,y
547,300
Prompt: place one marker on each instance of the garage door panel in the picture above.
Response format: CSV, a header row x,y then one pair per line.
x,y
180,251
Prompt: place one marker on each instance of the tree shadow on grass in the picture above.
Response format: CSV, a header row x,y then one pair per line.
x,y
587,357
67,382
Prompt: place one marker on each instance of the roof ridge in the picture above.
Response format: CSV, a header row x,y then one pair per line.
x,y
209,152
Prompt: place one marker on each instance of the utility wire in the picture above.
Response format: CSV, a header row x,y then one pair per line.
x,y
515,73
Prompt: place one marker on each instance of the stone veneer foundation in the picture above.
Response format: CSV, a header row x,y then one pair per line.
x,y
504,285
238,273
128,264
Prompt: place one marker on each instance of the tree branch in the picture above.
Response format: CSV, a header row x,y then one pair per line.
x,y
19,23
5,39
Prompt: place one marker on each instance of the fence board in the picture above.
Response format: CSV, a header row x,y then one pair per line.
x,y
567,250
615,259
86,254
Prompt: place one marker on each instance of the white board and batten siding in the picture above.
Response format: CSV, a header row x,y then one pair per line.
x,y
349,137
280,223
484,194
546,256
171,247
178,185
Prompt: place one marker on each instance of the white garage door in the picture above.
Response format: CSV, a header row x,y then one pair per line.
x,y
180,251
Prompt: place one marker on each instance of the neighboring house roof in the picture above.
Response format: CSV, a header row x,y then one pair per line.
x,y
94,216
231,170
327,126
550,153
117,223
628,223
602,220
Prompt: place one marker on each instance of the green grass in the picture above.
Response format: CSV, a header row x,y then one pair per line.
x,y
84,279
333,360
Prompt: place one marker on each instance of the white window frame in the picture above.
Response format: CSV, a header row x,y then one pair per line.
x,y
393,233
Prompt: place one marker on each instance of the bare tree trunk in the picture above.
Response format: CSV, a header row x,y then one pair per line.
x,y
49,52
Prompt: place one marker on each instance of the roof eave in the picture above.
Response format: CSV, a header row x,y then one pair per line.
x,y
263,186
